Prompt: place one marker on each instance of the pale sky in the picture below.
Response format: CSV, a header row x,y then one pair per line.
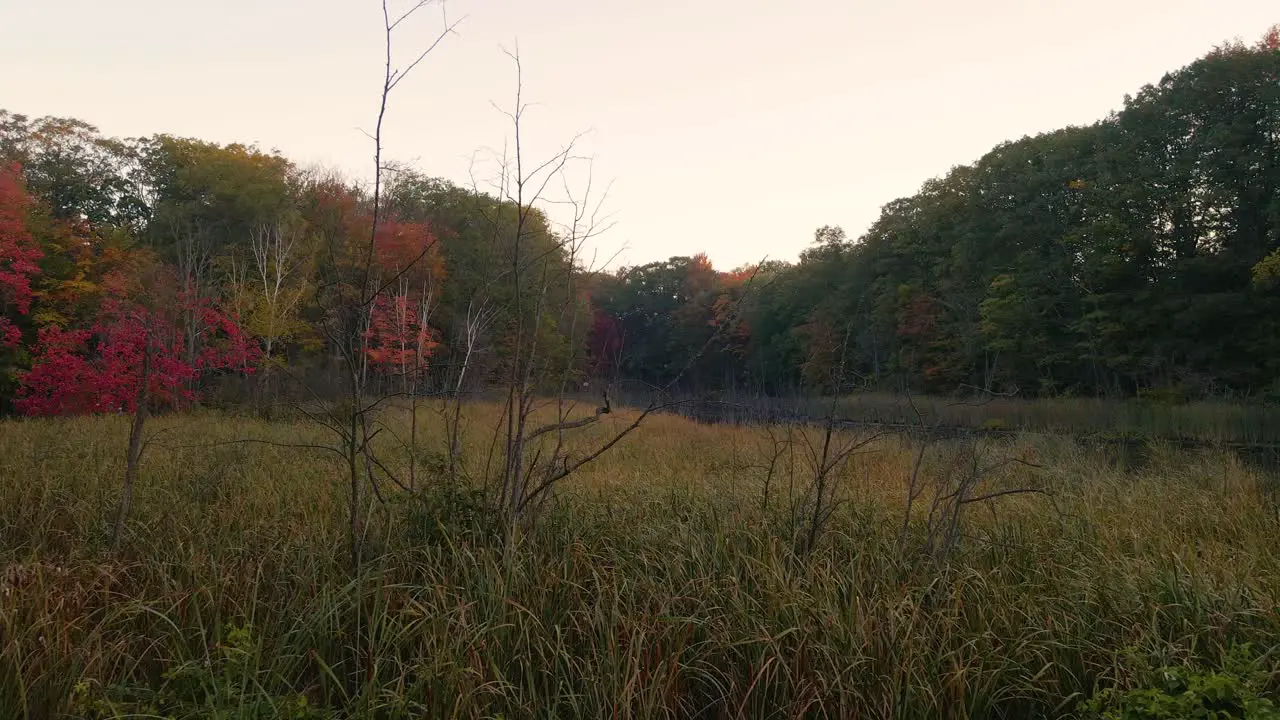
x,y
734,127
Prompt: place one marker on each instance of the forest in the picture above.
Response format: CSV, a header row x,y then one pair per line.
x,y
279,442
1135,255
1139,255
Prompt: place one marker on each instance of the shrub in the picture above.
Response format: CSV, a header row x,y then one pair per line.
x,y
1181,692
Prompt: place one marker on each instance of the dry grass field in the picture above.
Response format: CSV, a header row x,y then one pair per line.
x,y
663,581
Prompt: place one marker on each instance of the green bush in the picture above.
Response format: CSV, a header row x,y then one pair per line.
x,y
1184,693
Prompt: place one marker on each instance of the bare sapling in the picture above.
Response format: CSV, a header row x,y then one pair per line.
x,y
540,437
966,472
134,457
826,457
347,294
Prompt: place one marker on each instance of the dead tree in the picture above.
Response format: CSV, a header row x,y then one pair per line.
x,y
480,315
826,457
531,454
967,476
532,273
348,306
346,293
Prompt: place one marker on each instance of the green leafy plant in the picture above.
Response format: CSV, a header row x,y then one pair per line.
x,y
1180,692
228,684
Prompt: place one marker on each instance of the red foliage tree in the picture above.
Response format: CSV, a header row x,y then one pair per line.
x,y
398,340
224,344
1271,40
918,317
99,370
18,255
604,343
409,250
927,347
735,333
701,277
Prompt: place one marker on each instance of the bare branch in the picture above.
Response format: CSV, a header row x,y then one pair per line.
x,y
574,424
258,441
401,75
1003,493
618,437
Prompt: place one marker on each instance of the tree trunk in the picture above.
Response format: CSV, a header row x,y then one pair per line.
x,y
135,446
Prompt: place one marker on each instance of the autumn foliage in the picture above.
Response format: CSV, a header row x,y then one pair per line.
x,y
100,369
18,256
1132,254
604,343
399,339
408,250
1271,40
86,297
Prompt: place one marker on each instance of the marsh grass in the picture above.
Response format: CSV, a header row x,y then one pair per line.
x,y
657,584
1205,421
1199,422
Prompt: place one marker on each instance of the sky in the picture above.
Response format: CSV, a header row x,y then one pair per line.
x,y
730,127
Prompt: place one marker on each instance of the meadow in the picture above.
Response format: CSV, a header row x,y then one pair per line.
x,y
665,580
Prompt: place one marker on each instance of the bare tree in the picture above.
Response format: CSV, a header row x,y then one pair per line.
x,y
411,374
480,314
348,304
347,288
532,450
826,457
964,476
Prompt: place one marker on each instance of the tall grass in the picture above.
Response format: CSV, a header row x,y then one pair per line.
x,y
1206,422
1213,422
659,585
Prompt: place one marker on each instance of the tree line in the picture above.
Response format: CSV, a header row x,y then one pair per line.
x,y
1136,255
230,259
